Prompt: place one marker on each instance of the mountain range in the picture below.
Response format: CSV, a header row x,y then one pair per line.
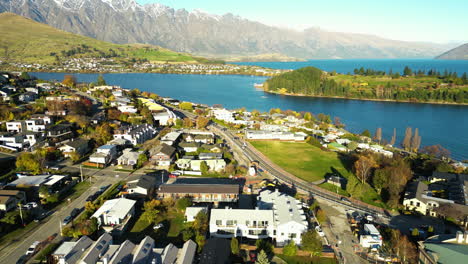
x,y
197,32
458,53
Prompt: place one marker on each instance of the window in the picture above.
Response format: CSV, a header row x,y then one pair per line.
x,y
247,223
219,222
418,204
411,203
293,235
274,232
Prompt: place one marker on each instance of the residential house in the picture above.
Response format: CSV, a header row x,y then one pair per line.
x,y
162,155
47,119
59,133
5,94
277,216
15,126
104,154
445,248
207,156
208,193
274,135
115,214
135,134
171,138
205,139
79,146
223,114
189,146
217,148
192,212
11,198
13,142
32,90
127,109
129,157
145,186
104,250
27,97
212,164
70,252
165,117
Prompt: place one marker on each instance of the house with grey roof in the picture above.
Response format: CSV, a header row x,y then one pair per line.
x,y
79,146
70,252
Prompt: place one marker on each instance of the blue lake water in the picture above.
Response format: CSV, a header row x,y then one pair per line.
x,y
438,124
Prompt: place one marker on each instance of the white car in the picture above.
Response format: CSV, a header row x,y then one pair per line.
x,y
157,226
32,204
319,231
32,248
369,218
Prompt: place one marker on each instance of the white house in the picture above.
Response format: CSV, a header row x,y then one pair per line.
x,y
115,212
128,157
127,109
223,114
371,237
192,212
213,164
164,117
104,154
170,138
135,134
277,215
15,126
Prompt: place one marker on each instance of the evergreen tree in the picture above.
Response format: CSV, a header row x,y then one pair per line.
x,y
262,258
407,71
100,80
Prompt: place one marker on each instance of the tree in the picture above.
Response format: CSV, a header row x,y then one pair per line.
x,y
393,140
407,71
74,156
103,133
27,161
187,234
352,145
415,141
290,249
337,122
183,203
321,216
307,116
186,106
264,245
200,240
380,180
366,133
378,135
203,167
150,211
202,122
262,258
100,80
142,158
201,222
415,232
69,80
436,151
25,76
363,167
187,122
311,242
234,246
230,169
407,140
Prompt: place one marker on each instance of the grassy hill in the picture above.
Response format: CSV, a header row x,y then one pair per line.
x,y
25,40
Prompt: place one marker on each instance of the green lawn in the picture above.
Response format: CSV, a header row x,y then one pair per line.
x,y
334,188
307,260
301,159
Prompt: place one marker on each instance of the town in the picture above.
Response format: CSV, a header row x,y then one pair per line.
x,y
96,173
110,65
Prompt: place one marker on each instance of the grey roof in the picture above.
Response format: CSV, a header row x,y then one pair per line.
x,y
169,254
199,188
144,251
146,181
97,249
77,143
124,253
163,148
210,155
30,180
81,245
187,253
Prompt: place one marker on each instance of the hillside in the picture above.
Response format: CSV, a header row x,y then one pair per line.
x,y
197,32
28,41
432,87
458,53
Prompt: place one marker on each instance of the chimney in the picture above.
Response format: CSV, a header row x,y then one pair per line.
x,y
459,237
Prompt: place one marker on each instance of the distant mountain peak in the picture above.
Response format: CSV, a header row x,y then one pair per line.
x,y
202,33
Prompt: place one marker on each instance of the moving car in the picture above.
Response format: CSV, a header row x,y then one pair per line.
x,y
319,231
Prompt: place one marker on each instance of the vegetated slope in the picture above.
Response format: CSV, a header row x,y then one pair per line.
x,y
197,32
458,53
25,40
418,86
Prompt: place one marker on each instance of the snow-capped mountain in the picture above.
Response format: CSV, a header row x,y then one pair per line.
x,y
197,32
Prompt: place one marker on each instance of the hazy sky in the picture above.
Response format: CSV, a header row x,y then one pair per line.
x,y
414,20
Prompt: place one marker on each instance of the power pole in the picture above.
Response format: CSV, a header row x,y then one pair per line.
x,y
21,214
81,172
60,226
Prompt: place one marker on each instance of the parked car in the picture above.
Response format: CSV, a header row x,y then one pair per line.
x,y
75,212
66,220
319,231
172,176
32,248
32,204
345,200
42,216
27,206
104,188
158,226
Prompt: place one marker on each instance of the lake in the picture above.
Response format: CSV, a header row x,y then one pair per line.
x,y
438,124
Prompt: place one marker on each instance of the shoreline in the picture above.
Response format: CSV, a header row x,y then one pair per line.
x,y
364,99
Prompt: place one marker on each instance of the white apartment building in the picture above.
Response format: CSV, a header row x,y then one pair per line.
x,y
277,215
371,237
223,114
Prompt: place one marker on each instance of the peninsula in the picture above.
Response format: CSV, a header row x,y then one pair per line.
x,y
368,84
